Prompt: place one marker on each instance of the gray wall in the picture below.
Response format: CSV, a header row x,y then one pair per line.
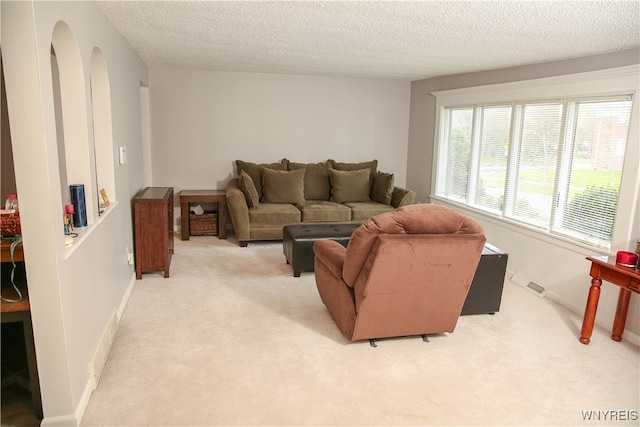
x,y
202,121
72,291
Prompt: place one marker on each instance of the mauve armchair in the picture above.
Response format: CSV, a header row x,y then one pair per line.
x,y
405,272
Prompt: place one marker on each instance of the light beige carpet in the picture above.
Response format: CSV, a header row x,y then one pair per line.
x,y
231,338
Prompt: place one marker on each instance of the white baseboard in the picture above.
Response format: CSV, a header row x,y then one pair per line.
x,y
66,421
91,383
627,334
127,294
84,400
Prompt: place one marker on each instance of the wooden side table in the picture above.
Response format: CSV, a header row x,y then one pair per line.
x,y
203,196
627,278
6,251
21,312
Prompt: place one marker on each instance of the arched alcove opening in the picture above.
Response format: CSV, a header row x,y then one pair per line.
x,y
102,126
7,171
75,151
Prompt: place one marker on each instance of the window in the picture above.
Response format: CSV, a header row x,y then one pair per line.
x,y
552,164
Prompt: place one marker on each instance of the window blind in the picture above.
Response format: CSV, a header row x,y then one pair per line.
x,y
555,165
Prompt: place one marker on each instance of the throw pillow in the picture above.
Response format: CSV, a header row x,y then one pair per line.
x,y
249,189
350,186
283,186
255,171
382,188
372,165
317,185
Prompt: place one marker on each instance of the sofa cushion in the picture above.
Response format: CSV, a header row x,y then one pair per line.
x,y
274,213
350,186
248,189
316,180
255,171
283,186
372,166
364,210
382,188
323,211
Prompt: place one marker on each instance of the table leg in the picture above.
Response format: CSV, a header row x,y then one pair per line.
x,y
31,361
590,311
184,220
621,314
222,220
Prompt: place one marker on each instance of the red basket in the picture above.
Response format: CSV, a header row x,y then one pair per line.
x,y
10,224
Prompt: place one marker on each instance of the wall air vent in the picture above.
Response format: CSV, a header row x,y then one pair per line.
x,y
102,349
539,290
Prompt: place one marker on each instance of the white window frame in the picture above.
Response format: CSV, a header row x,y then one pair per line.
x,y
614,81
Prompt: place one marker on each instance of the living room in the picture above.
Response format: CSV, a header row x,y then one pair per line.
x,y
185,127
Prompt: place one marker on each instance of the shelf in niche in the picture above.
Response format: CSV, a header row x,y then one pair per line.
x,y
84,232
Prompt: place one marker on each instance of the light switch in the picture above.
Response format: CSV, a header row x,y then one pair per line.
x,y
123,155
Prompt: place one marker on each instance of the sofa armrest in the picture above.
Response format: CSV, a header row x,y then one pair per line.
x,y
331,254
402,197
238,211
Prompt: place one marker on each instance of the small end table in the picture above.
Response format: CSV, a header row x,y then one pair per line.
x,y
203,196
21,312
627,278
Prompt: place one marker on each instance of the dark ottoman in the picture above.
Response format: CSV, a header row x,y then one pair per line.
x,y
297,242
485,293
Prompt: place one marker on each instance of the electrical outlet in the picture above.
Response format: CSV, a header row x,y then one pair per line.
x,y
129,256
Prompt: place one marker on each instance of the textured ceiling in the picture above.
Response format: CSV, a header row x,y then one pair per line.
x,y
371,39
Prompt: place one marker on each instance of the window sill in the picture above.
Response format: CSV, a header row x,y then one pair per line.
x,y
516,227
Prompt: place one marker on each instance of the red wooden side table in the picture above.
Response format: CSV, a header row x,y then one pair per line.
x,y
627,278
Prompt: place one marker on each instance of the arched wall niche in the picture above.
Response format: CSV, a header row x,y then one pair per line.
x,y
102,125
73,141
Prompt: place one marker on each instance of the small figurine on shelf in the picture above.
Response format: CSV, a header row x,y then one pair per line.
x,y
68,218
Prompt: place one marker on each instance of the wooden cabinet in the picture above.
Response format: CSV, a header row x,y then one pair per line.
x,y
153,228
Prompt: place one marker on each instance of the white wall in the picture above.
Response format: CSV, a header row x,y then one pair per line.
x,y
560,267
72,292
202,121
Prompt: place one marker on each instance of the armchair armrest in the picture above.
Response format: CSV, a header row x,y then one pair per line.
x,y
331,254
402,197
238,210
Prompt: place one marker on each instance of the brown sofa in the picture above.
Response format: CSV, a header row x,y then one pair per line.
x,y
266,197
403,273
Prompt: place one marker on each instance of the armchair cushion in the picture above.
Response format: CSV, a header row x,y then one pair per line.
x,y
372,166
274,214
316,180
283,186
331,254
382,188
324,211
255,171
248,189
350,186
411,219
364,210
